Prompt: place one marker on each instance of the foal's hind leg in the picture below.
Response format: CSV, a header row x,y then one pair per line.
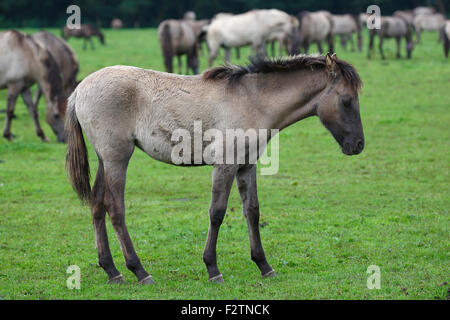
x,y
32,109
246,182
98,210
115,175
223,176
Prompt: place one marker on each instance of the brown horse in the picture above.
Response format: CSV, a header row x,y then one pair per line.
x,y
86,31
314,27
23,62
64,57
121,107
178,38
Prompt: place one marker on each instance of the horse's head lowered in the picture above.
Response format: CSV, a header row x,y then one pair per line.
x,y
338,108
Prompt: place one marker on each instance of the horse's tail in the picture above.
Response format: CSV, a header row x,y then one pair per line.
x,y
166,44
77,163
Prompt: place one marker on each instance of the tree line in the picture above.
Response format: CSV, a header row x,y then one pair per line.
x,y
149,13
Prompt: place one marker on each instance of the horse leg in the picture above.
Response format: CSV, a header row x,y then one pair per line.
x,y
343,42
238,53
398,40
352,43
115,176
98,211
446,44
360,41
13,91
222,180
32,109
369,51
212,55
306,46
319,47
381,47
38,96
227,54
246,182
330,39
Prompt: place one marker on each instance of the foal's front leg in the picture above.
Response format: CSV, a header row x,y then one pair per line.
x,y
246,182
223,176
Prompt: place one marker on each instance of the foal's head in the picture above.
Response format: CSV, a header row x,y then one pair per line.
x,y
338,108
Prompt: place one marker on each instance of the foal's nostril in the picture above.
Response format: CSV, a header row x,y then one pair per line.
x,y
359,146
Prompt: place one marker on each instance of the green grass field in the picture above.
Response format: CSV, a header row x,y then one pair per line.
x,y
327,217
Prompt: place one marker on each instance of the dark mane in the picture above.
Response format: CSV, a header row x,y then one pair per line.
x,y
233,73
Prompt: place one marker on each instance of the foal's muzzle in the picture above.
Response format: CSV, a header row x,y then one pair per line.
x,y
353,148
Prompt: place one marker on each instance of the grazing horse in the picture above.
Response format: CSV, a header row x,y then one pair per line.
x,y
64,57
86,31
121,107
313,27
253,28
445,35
392,27
345,26
177,38
428,22
285,38
23,62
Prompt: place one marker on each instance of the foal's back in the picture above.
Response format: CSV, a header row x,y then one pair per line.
x,y
119,107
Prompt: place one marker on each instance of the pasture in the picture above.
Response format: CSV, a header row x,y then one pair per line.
x,y
326,217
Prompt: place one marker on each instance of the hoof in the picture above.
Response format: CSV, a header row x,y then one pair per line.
x,y
147,280
216,279
269,274
116,280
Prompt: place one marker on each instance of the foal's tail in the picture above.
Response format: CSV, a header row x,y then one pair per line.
x,y
77,163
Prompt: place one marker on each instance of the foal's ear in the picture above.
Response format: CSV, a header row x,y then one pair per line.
x,y
330,62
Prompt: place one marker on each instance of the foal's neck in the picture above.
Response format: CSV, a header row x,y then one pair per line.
x,y
288,97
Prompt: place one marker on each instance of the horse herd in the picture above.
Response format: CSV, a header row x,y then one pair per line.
x,y
294,34
119,108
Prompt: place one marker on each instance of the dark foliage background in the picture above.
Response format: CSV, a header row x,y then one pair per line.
x,y
148,13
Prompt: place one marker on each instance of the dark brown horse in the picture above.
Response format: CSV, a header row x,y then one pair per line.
x,y
178,38
392,27
121,107
86,31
